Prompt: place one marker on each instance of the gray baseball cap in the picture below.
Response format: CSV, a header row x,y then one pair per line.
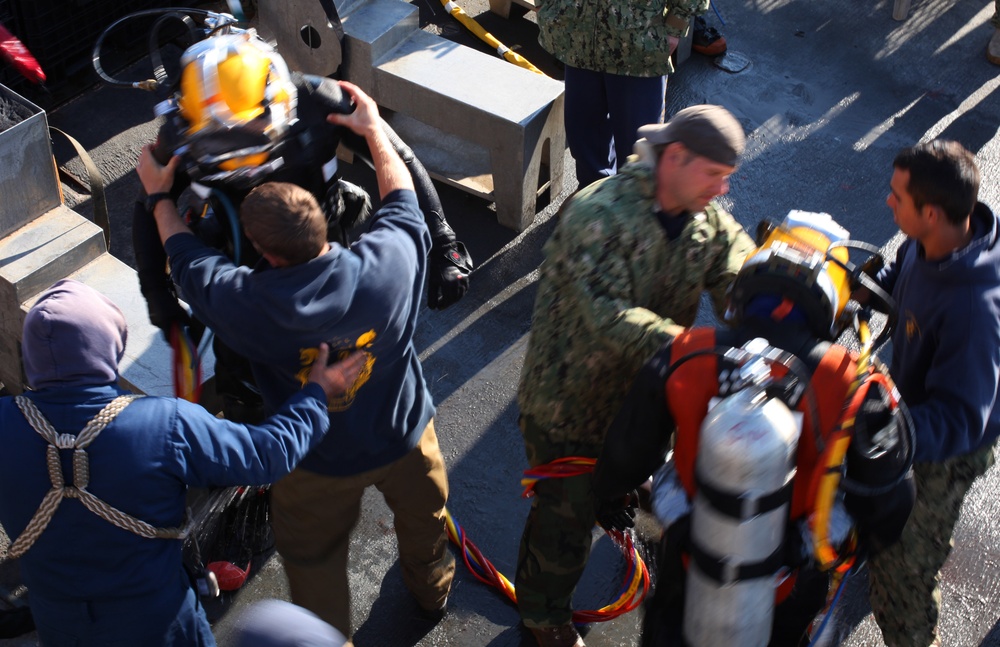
x,y
706,130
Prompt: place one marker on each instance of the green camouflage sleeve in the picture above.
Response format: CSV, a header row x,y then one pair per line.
x,y
736,245
680,14
597,259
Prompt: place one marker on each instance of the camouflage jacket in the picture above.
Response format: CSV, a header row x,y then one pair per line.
x,y
627,37
613,288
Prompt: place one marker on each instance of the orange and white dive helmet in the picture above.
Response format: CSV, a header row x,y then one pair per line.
x,y
799,265
235,87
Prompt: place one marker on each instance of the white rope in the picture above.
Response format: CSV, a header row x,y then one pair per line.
x,y
81,477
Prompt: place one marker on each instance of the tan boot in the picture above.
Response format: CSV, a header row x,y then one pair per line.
x,y
993,49
561,636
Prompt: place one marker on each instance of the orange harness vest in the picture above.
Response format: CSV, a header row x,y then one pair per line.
x,y
691,387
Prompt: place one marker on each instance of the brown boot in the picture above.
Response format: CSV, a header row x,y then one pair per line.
x,y
993,49
561,636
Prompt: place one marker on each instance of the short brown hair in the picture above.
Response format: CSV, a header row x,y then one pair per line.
x,y
285,220
944,174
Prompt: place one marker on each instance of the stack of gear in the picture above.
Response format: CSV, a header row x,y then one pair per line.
x,y
790,457
237,117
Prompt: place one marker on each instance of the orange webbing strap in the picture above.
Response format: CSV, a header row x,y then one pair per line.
x,y
826,478
688,392
186,365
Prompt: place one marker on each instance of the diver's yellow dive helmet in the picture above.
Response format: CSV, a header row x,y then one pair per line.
x,y
799,260
236,83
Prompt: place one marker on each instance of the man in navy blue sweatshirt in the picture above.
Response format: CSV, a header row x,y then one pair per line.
x,y
307,291
946,362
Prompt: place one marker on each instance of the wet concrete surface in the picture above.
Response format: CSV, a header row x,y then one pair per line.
x,y
832,91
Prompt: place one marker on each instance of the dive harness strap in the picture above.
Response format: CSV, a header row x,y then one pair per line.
x,y
727,571
745,505
81,477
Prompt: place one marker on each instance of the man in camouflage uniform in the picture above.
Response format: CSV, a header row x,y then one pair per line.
x,y
946,284
623,272
616,55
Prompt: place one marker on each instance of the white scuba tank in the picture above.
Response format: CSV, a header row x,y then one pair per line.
x,y
744,470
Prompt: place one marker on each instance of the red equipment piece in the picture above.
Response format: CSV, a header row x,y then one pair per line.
x,y
229,575
14,51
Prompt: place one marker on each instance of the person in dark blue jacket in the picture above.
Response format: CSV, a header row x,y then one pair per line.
x,y
93,479
237,118
946,362
307,291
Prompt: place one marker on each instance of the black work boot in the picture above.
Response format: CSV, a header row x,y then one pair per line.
x,y
561,636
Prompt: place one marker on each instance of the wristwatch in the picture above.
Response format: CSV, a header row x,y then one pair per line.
x,y
156,197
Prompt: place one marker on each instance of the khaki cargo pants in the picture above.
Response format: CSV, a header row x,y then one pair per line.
x,y
313,516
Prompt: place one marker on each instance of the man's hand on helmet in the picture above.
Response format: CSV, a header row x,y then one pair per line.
x,y
448,275
364,119
155,177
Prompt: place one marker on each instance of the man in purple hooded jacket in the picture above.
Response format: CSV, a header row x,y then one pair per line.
x,y
93,479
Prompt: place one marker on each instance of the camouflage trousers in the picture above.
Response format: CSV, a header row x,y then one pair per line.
x,y
904,578
557,536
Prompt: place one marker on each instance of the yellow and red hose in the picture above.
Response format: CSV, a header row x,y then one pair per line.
x,y
635,583
186,365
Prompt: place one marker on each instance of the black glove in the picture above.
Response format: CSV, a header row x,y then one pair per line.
x,y
357,205
617,514
165,311
447,275
873,266
879,482
873,416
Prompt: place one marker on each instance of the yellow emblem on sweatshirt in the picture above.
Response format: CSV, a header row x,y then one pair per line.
x,y
339,350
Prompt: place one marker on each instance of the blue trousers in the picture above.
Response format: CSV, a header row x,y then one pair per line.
x,y
170,617
602,114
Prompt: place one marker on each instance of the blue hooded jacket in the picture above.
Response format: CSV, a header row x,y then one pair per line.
x,y
946,344
91,581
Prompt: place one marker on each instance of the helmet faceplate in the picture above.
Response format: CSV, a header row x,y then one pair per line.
x,y
236,82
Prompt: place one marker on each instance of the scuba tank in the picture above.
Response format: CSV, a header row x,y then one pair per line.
x,y
744,471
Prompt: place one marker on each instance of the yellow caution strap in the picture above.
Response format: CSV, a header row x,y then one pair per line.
x,y
470,23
